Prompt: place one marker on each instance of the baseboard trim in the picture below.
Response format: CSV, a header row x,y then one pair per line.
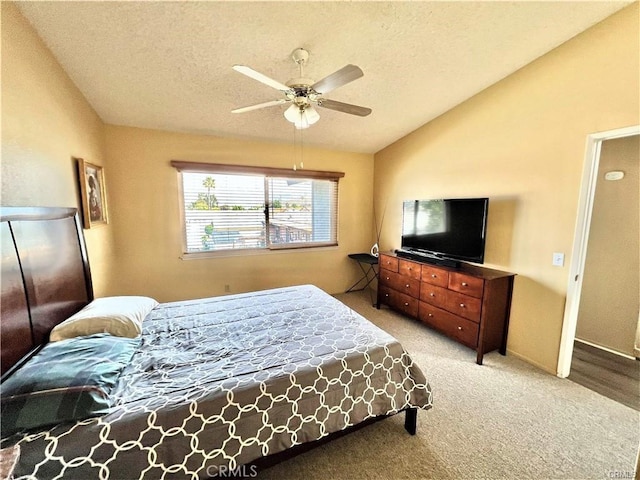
x,y
530,361
615,352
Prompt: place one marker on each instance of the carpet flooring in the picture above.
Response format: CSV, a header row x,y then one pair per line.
x,y
503,420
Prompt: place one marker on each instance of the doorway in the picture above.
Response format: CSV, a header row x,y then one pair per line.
x,y
579,252
603,354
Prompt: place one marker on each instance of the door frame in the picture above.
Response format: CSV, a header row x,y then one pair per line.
x,y
580,240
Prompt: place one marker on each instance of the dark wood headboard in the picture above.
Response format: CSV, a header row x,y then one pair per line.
x,y
45,277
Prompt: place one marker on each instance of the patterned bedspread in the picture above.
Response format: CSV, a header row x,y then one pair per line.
x,y
219,382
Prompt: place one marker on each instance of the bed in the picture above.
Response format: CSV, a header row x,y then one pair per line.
x,y
208,385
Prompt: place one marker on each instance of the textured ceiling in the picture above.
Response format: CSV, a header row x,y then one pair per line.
x,y
167,65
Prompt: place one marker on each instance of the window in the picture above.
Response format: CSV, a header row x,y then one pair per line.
x,y
228,207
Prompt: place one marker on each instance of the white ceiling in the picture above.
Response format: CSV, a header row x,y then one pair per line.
x,y
167,65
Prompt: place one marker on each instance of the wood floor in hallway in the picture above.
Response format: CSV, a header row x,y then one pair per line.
x,y
609,374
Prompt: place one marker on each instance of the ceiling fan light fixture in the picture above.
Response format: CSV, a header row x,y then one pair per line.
x,y
301,124
292,113
311,114
302,116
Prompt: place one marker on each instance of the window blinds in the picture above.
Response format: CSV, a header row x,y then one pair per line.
x,y
254,209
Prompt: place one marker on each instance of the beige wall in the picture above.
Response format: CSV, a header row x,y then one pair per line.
x,y
610,297
144,208
45,123
522,143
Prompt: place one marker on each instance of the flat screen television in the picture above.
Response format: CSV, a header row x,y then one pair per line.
x,y
453,229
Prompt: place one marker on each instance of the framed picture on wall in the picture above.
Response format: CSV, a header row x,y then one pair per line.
x,y
92,190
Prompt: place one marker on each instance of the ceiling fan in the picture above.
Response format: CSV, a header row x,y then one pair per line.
x,y
304,93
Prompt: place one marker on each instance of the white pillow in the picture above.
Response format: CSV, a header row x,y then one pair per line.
x,y
118,316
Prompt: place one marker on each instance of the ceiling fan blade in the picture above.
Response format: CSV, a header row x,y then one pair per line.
x,y
344,107
250,72
346,74
259,105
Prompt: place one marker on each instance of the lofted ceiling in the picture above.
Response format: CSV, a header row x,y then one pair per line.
x,y
167,65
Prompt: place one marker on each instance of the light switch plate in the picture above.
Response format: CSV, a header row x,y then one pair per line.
x,y
558,259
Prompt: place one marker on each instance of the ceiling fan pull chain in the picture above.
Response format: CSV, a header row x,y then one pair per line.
x,y
301,148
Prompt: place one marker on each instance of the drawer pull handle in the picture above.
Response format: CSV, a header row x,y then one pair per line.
x,y
462,305
465,284
430,315
407,285
460,328
432,294
433,275
386,295
406,304
387,278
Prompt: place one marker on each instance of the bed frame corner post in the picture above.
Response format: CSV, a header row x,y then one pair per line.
x,y
411,420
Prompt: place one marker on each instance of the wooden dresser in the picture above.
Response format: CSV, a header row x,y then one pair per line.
x,y
470,304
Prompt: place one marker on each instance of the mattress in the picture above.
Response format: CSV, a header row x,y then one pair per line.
x,y
219,382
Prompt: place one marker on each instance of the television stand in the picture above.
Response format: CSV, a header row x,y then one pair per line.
x,y
470,304
425,257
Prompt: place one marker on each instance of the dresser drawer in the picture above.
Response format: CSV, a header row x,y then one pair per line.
x,y
410,269
399,301
464,305
466,284
385,294
460,329
433,294
388,263
401,283
435,276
